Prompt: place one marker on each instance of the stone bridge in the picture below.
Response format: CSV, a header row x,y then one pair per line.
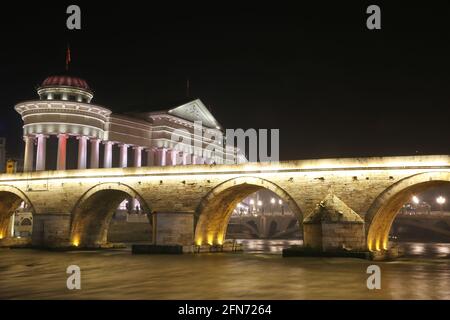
x,y
342,202
262,226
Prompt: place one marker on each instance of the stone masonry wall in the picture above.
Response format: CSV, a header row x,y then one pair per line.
x,y
336,236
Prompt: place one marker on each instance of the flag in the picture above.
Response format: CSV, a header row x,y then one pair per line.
x,y
67,58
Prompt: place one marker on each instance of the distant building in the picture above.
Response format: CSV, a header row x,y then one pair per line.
x,y
22,221
2,155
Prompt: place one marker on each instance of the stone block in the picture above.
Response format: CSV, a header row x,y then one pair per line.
x,y
51,230
175,228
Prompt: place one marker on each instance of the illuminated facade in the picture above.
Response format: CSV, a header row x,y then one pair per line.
x,y
2,154
65,110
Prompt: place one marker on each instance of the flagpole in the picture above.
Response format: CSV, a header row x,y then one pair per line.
x,y
187,88
67,57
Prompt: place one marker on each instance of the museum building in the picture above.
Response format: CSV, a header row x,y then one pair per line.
x,y
65,110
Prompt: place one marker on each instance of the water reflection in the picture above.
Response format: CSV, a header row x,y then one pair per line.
x,y
408,249
261,274
267,246
424,250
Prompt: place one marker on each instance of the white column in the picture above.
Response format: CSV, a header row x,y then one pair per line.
x,y
171,159
95,152
107,157
194,159
137,157
12,221
161,156
82,152
62,152
123,155
41,150
151,154
184,156
29,154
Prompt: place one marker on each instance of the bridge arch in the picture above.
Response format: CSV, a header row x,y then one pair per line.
x,y
93,212
10,199
215,209
382,212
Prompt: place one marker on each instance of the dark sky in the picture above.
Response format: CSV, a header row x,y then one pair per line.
x,y
332,87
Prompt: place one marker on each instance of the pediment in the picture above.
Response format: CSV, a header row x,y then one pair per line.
x,y
332,209
195,111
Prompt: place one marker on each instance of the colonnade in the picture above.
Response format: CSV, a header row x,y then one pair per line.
x,y
155,156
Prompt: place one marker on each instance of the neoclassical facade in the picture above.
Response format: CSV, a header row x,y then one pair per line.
x,y
65,110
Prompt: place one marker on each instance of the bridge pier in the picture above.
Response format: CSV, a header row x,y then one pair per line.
x,y
173,228
51,230
334,227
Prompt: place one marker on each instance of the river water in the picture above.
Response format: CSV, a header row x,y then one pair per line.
x,y
259,273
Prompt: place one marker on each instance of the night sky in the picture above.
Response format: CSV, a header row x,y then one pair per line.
x,y
332,87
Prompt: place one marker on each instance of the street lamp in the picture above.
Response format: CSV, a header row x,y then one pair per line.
x,y
252,203
272,202
259,203
415,199
440,200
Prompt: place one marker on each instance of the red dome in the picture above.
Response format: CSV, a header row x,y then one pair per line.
x,y
67,81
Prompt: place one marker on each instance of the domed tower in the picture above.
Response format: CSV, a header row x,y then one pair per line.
x,y
64,110
65,88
